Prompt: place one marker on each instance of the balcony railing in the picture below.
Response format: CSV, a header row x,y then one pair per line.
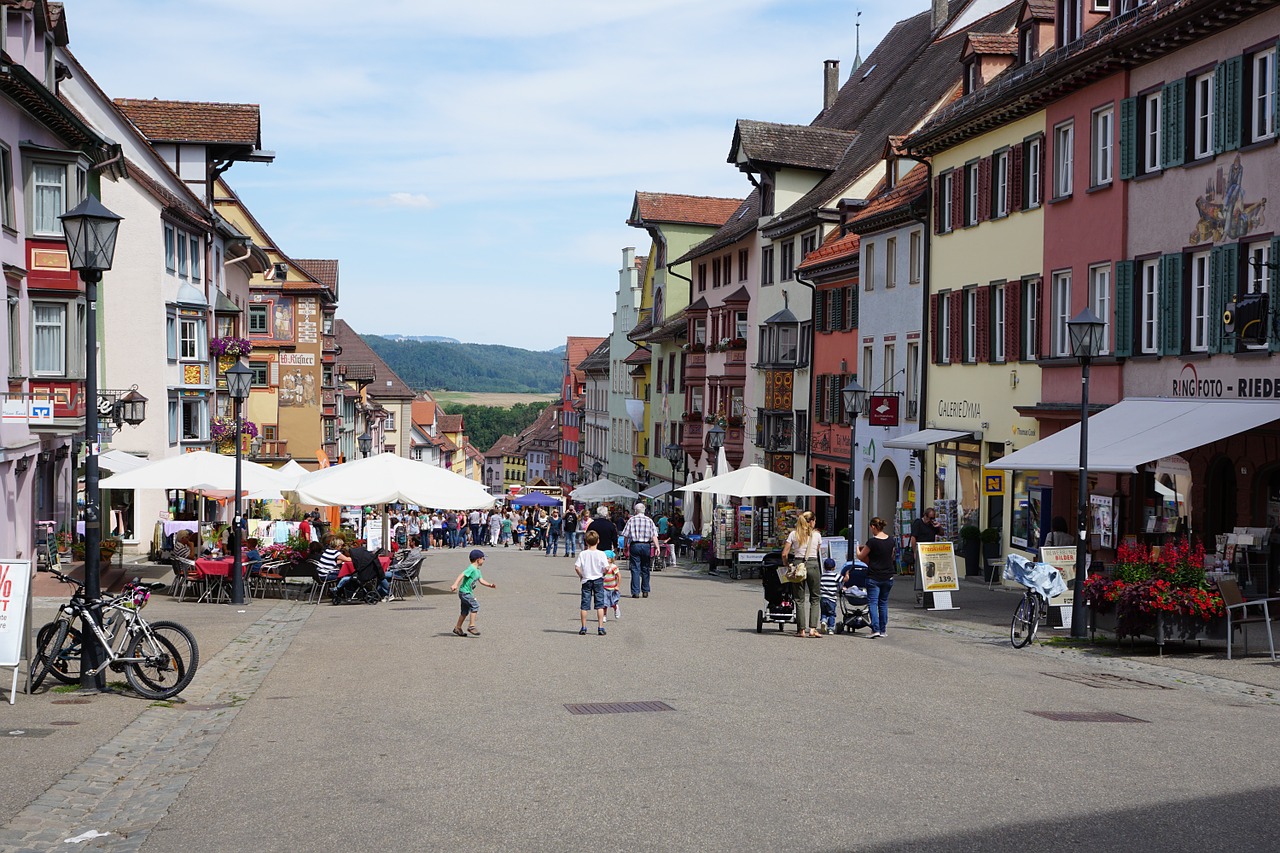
x,y
269,449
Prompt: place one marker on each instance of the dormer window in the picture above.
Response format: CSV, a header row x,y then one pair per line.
x,y
1026,45
971,75
1070,21
783,341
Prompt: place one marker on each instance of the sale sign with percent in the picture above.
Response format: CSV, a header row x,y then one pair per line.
x,y
15,578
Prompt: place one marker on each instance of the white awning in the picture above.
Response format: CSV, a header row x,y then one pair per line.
x,y
925,437
1131,433
657,490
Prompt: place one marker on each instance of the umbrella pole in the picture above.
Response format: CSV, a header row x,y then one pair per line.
x,y
386,529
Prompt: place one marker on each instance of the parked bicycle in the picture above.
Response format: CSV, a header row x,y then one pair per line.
x,y
158,659
1042,583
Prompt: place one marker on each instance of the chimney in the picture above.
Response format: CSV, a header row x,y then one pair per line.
x,y
830,82
940,11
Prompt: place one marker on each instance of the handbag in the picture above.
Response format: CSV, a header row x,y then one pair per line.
x,y
797,571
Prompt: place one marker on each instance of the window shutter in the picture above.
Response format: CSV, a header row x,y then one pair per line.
x,y
935,341
820,312
1273,288
834,399
956,304
274,373
1124,309
853,307
982,335
1171,304
837,309
820,398
1040,170
1226,104
1015,178
1037,296
1223,271
984,189
937,205
1013,321
957,201
759,427
1128,138
1173,119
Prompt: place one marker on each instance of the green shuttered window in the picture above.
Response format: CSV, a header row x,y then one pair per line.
x,y
1124,309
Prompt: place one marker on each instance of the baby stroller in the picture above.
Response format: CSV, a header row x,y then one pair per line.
x,y
533,539
365,585
855,612
779,607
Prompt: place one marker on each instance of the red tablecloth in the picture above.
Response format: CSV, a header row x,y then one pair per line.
x,y
386,562
220,568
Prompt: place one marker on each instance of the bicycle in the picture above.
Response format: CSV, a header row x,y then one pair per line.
x,y
1026,618
158,659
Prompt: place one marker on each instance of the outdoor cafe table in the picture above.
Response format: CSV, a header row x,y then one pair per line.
x,y
216,575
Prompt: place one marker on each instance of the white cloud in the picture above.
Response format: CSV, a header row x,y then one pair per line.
x,y
412,200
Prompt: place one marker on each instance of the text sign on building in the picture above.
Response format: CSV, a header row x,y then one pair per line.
x,y
883,410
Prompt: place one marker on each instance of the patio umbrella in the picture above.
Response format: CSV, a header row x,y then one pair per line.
x,y
753,481
200,471
535,499
387,478
603,489
120,462
293,471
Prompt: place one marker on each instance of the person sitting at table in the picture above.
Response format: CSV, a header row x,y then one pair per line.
x,y
182,545
411,554
328,566
253,559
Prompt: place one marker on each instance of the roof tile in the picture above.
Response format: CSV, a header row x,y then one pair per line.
x,y
681,209
799,145
323,271
194,121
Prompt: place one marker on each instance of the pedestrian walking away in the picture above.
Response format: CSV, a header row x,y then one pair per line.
x,y
590,567
642,533
465,587
805,543
605,529
877,553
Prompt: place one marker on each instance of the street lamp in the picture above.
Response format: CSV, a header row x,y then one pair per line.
x,y
854,397
90,230
365,442
674,454
597,468
1087,332
239,380
715,441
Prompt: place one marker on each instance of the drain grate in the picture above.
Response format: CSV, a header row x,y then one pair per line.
x,y
15,733
407,609
617,707
1086,717
63,723
69,702
1106,680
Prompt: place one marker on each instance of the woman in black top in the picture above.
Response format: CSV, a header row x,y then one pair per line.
x,y
877,553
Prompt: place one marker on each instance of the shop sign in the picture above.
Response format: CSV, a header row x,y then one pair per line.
x,y
960,409
1190,384
1064,560
993,482
884,410
869,451
937,566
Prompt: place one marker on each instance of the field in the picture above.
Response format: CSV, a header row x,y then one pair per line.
x,y
487,398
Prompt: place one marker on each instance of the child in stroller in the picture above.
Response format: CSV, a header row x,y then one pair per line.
x,y
780,608
534,538
365,583
855,612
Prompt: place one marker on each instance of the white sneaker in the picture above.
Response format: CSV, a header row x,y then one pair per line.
x,y
616,614
604,619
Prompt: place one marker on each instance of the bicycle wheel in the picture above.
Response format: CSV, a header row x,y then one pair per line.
x,y
48,651
169,657
1023,627
65,664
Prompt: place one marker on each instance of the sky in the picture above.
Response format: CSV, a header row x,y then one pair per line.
x,y
472,165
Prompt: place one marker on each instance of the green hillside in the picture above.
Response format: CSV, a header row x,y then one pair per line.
x,y
470,367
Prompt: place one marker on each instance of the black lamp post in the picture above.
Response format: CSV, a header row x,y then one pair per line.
x,y
854,397
715,441
1087,331
674,454
365,443
239,380
597,468
91,230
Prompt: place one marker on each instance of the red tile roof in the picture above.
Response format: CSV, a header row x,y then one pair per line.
x,y
323,271
355,353
423,412
576,349
833,247
912,185
997,43
194,121
505,445
681,209
449,423
641,355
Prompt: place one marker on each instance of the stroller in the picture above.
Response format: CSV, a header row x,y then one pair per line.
x,y
533,538
365,586
855,612
779,608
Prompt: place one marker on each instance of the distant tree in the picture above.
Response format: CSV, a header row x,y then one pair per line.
x,y
470,367
486,424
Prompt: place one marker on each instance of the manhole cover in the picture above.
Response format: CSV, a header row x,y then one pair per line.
x,y
617,707
28,733
1106,680
1086,717
69,702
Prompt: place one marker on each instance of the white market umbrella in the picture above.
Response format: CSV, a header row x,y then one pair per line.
x,y
200,471
118,461
387,478
603,489
753,481
292,472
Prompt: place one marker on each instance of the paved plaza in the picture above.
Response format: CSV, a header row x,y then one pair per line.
x,y
374,728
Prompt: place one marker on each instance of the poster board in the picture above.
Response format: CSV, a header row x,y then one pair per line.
x,y
1064,560
1103,518
936,565
15,583
837,548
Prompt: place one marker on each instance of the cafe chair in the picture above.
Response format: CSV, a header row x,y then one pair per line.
x,y
270,576
185,577
1238,616
406,577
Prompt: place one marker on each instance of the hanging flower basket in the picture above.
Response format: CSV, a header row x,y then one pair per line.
x,y
230,347
222,432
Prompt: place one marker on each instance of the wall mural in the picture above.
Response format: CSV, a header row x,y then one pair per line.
x,y
298,389
1224,213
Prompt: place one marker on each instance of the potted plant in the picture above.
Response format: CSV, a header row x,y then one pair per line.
x,y
107,548
738,343
990,538
77,551
734,420
64,541
697,346
230,347
222,431
971,549
1166,592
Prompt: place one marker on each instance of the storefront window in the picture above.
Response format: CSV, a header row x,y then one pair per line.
x,y
959,470
1029,510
